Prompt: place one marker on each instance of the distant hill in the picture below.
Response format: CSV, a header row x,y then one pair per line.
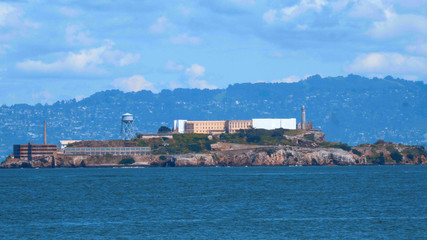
x,y
350,109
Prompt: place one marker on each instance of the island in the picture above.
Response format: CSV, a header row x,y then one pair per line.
x,y
246,147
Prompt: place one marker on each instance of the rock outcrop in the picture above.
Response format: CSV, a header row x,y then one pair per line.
x,y
310,149
271,157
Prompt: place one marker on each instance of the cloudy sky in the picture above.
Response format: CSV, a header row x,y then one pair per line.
x,y
54,50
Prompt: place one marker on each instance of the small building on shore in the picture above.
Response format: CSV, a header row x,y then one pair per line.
x,y
64,143
33,151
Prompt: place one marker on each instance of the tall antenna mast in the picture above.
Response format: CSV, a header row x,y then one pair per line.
x,y
44,133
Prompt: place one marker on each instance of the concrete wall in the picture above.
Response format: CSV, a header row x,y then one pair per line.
x,y
180,125
273,123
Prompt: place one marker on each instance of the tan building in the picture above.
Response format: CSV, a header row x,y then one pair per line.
x,y
216,127
234,126
205,127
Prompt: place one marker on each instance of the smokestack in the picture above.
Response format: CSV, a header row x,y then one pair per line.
x,y
45,138
303,118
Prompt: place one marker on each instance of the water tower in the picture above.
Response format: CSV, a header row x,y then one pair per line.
x,y
127,132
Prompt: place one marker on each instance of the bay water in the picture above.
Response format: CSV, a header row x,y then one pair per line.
x,y
353,202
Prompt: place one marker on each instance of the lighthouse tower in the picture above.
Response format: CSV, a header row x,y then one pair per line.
x,y
303,118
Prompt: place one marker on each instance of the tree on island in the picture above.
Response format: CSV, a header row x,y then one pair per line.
x,y
164,129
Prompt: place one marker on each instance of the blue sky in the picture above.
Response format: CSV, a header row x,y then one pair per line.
x,y
55,50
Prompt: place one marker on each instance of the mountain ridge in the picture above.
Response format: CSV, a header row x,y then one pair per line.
x,y
350,109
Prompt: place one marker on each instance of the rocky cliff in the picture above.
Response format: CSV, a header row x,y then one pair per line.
x,y
251,155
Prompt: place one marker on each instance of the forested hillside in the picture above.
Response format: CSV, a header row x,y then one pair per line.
x,y
350,109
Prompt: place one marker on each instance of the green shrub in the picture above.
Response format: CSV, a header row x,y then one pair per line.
x,y
163,158
142,144
379,142
376,159
343,146
363,145
396,156
293,132
278,132
415,151
127,161
164,129
195,148
253,139
355,151
309,137
391,149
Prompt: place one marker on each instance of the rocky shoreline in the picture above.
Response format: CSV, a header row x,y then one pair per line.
x,y
238,155
305,148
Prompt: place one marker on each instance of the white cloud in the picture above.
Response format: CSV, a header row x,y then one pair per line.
x,y
184,39
291,12
310,75
277,54
120,58
410,77
398,24
201,84
133,84
372,9
290,79
3,48
302,27
270,16
418,48
43,96
76,35
172,66
184,10
80,97
69,12
388,62
88,60
12,16
195,71
339,5
160,26
173,85
250,2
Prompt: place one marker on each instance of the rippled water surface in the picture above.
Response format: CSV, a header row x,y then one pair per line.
x,y
374,202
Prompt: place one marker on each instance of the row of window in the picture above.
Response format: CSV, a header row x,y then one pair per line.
x,y
240,124
127,149
105,153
